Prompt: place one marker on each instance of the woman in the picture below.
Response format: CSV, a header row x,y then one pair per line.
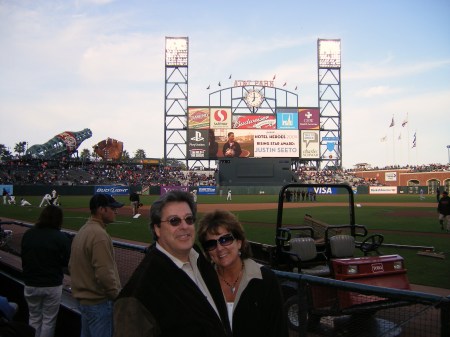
x,y
45,252
252,291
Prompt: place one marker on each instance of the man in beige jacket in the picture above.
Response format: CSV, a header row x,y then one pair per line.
x,y
94,277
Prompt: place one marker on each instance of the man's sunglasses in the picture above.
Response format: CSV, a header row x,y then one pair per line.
x,y
224,240
176,221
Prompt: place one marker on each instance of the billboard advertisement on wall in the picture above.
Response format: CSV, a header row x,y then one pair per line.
x,y
254,122
276,143
198,118
198,144
287,119
309,145
220,118
309,119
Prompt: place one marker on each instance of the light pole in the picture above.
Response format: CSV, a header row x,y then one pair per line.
x,y
448,151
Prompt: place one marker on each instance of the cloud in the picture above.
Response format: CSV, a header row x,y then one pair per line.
x,y
385,69
381,90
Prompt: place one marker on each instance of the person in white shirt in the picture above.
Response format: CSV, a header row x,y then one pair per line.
x,y
23,202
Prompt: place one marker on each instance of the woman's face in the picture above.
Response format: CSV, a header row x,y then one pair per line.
x,y
224,255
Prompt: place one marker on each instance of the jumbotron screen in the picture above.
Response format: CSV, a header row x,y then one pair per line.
x,y
217,133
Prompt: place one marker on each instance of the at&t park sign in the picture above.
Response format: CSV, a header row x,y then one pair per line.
x,y
262,83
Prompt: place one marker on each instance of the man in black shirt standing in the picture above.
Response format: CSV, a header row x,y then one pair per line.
x,y
444,211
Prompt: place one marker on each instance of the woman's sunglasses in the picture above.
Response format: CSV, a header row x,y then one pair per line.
x,y
176,221
224,240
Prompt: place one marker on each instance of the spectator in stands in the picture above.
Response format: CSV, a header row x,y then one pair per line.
x,y
444,211
252,292
45,253
231,148
174,291
94,276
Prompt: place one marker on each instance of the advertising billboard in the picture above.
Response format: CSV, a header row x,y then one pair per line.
x,y
254,122
276,143
287,119
310,145
215,132
308,119
198,118
220,118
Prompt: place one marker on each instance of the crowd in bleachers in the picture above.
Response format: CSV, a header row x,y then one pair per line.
x,y
65,173
410,168
100,173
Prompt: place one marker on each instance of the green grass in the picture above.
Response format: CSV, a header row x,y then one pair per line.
x,y
421,224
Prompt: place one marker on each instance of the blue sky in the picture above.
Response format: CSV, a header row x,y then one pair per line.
x,y
99,64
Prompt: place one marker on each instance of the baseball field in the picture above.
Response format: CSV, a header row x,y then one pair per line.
x,y
402,219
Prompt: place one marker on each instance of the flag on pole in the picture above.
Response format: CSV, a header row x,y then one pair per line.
x,y
414,140
274,76
229,77
219,84
392,123
405,121
284,84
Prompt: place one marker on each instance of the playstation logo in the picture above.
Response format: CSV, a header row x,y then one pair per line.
x,y
198,137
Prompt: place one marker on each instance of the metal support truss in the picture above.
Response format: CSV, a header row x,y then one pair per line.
x,y
329,75
176,100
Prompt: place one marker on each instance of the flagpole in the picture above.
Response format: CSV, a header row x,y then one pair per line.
x,y
393,141
407,130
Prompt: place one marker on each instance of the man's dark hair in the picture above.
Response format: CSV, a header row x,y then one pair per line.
x,y
50,217
158,206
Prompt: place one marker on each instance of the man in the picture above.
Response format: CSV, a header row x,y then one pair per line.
x,y
24,202
54,198
12,200
231,148
94,277
45,200
5,195
174,291
444,211
135,201
229,195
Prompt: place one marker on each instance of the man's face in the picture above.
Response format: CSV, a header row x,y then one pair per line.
x,y
108,214
177,240
231,138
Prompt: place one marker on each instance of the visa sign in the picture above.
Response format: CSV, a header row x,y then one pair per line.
x,y
323,190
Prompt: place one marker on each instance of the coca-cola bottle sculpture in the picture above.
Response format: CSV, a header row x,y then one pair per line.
x,y
63,144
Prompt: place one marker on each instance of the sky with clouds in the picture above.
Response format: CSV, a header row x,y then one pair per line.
x,y
72,64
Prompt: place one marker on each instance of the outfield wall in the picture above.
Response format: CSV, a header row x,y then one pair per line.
x,y
40,190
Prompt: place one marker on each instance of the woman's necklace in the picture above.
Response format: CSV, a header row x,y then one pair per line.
x,y
232,286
